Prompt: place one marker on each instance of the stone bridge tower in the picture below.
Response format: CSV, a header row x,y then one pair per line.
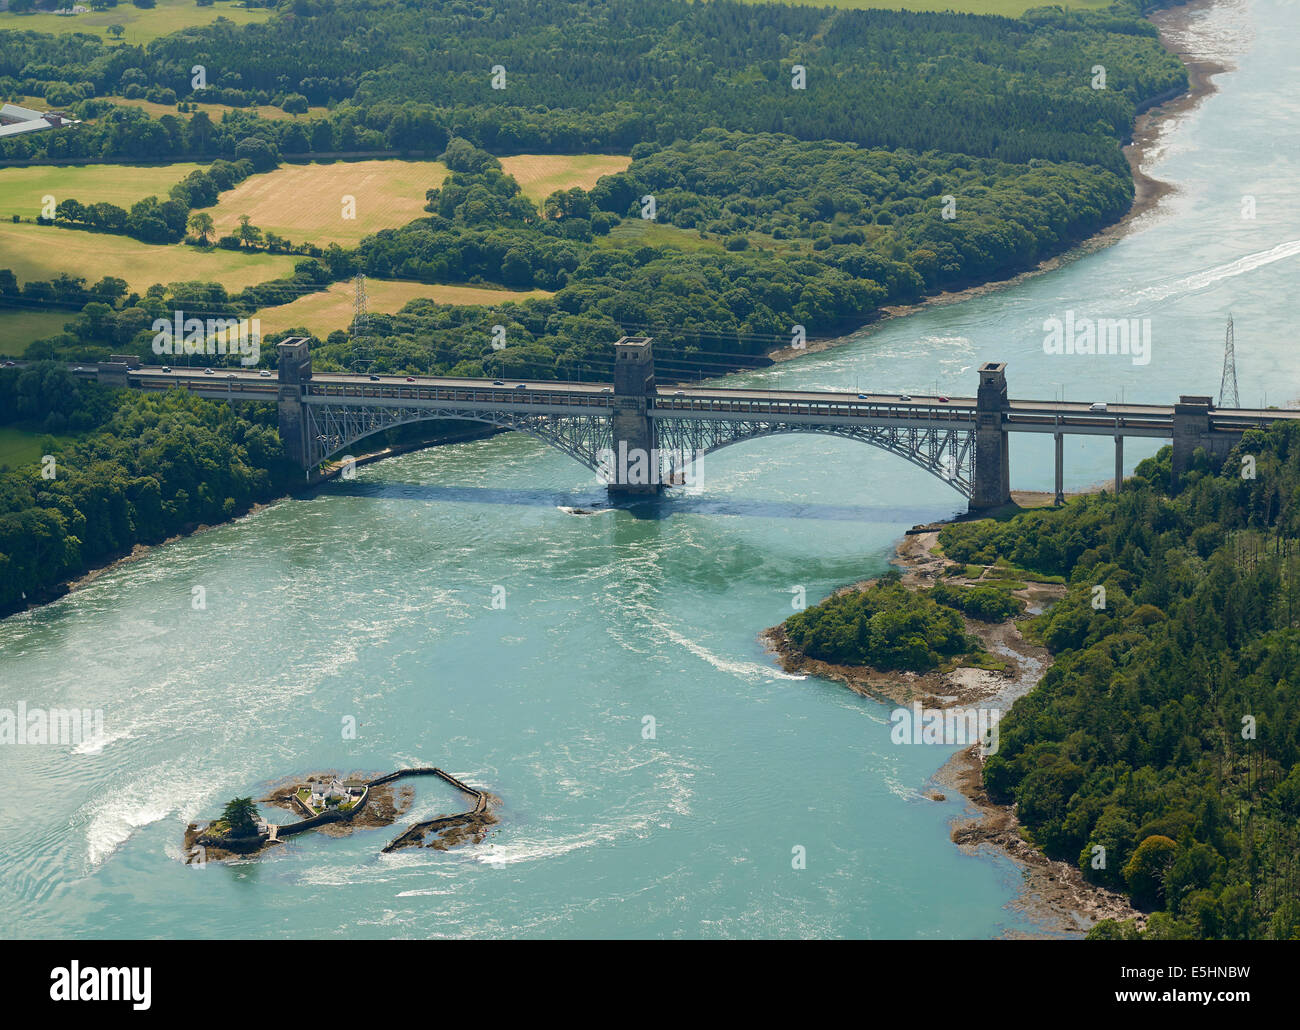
x,y
992,461
294,363
634,443
1192,430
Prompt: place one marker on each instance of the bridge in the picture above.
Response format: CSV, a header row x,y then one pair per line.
x,y
638,438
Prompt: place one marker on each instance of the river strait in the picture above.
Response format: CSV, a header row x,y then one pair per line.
x,y
372,600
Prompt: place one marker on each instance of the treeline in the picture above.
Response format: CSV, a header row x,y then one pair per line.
x,y
152,467
1161,752
582,77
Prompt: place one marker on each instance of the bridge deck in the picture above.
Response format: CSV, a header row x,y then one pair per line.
x,y
707,403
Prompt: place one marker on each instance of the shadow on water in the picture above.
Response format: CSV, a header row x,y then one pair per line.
x,y
658,507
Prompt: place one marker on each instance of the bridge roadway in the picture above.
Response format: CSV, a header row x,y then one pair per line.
x,y
704,403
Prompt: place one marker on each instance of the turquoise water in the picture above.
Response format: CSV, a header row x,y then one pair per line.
x,y
372,600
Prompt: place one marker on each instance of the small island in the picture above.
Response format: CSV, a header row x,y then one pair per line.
x,y
933,630
337,806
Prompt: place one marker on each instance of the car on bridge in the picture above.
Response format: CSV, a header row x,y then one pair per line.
x,y
1098,406
265,374
904,397
522,386
497,382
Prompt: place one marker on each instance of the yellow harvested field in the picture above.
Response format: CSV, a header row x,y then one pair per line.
x,y
215,111
322,313
540,175
306,203
140,25
23,190
42,252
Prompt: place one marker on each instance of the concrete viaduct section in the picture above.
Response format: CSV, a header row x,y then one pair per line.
x,y
636,437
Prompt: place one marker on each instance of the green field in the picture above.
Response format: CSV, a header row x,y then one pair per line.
x,y
141,25
1007,8
19,327
22,190
18,447
42,252
640,232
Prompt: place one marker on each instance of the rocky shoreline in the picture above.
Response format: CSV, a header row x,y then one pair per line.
x,y
1053,894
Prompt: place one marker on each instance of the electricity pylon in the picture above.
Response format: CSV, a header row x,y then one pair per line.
x,y
1228,384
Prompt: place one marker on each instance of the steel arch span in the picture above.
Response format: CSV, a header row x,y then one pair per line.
x,y
332,427
948,454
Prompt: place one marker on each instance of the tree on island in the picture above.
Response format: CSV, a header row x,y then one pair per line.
x,y
240,814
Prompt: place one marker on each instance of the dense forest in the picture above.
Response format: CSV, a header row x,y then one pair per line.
x,y
146,468
1161,751
582,75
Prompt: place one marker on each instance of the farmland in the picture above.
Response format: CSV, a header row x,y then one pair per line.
x,y
22,190
140,25
540,175
43,252
214,111
305,203
20,326
321,313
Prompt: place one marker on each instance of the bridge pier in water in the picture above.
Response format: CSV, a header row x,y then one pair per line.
x,y
634,439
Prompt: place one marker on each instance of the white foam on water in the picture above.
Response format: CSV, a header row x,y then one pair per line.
x,y
751,671
96,744
1201,280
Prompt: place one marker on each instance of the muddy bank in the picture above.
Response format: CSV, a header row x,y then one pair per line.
x,y
1054,895
1143,148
